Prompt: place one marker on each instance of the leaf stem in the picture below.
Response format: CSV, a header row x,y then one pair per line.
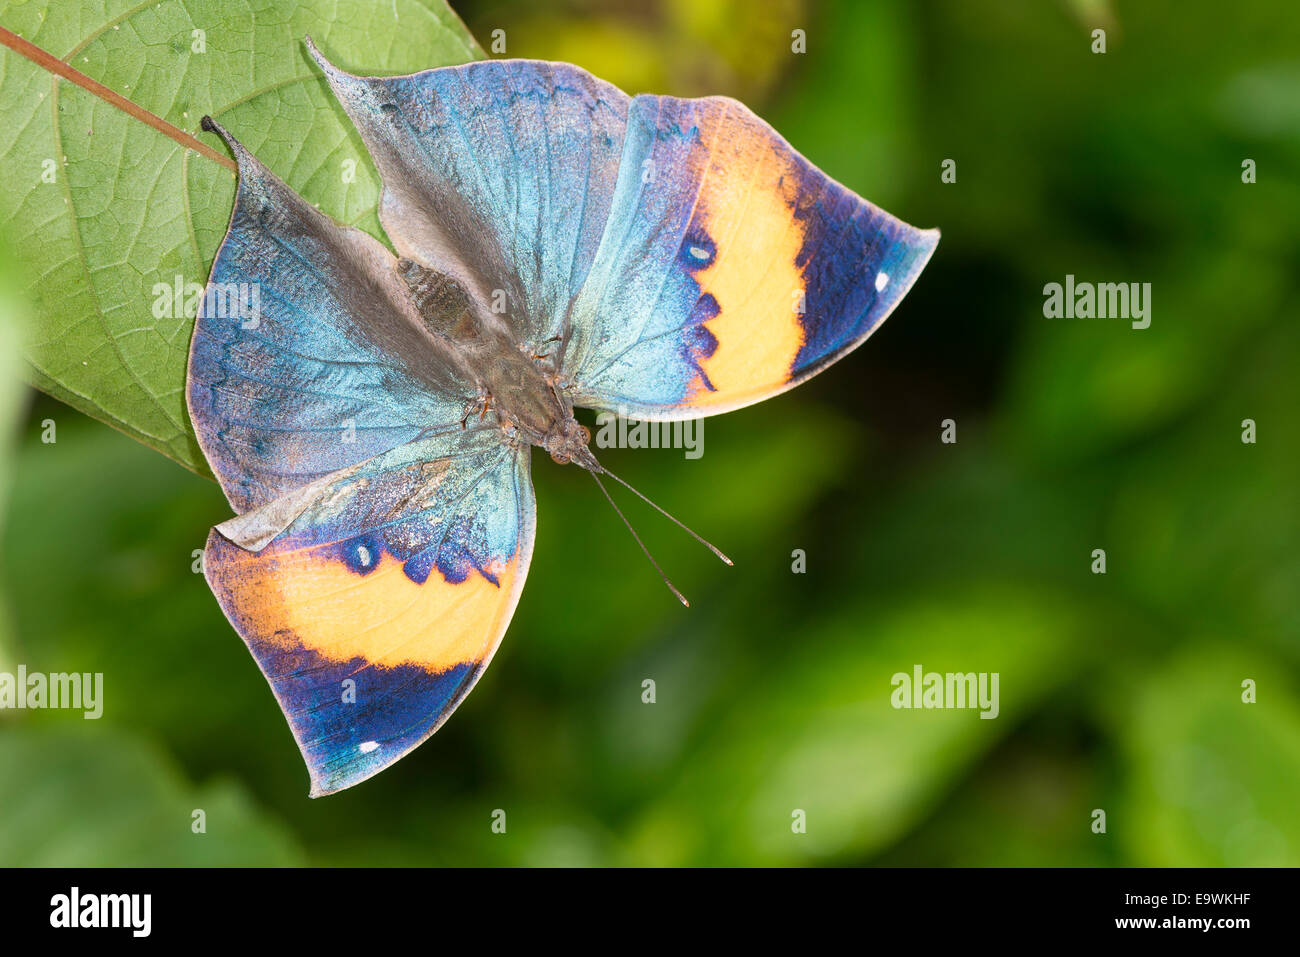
x,y
42,59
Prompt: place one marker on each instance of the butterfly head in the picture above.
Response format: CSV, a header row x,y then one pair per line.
x,y
567,442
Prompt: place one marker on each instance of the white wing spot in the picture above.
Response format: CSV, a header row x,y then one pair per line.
x,y
882,280
365,747
363,556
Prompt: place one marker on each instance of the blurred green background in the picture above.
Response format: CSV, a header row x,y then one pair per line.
x,y
1119,692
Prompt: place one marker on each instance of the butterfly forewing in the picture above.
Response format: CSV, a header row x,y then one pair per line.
x,y
375,611
731,268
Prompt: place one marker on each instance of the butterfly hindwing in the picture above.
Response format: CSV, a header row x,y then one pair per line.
x,y
499,173
375,611
307,355
731,268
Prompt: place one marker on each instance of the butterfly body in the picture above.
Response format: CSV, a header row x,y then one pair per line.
x,y
517,386
559,244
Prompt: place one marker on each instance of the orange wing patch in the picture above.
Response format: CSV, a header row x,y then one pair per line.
x,y
308,597
746,203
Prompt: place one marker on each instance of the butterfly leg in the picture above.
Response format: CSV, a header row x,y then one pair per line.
x,y
544,355
482,404
543,358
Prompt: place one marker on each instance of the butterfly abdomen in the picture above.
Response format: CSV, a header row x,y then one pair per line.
x,y
511,381
442,302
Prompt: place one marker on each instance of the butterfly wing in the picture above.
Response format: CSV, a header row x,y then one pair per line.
x,y
730,270
378,607
381,549
692,260
499,173
307,355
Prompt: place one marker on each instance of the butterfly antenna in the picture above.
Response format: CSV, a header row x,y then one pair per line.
x,y
672,518
671,587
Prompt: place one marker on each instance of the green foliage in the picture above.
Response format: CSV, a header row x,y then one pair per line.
x,y
125,208
1209,778
14,321
143,815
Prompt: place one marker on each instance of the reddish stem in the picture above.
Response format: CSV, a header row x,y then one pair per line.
x,y
42,59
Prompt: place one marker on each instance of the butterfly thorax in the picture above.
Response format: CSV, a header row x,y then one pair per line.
x,y
511,383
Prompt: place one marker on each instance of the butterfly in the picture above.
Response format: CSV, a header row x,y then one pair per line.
x,y
560,244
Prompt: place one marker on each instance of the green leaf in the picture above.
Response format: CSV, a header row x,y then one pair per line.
x,y
1214,540
99,798
817,732
1212,779
13,327
14,321
128,208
